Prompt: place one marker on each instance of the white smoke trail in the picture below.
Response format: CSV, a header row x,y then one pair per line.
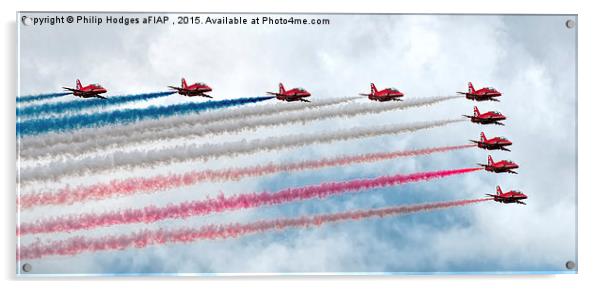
x,y
150,158
197,129
35,146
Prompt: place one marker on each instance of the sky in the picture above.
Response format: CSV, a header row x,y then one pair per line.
x,y
531,59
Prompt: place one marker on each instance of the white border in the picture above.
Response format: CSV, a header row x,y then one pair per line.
x,y
589,141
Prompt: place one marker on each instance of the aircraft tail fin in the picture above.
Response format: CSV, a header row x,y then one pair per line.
x,y
489,160
483,138
470,88
184,85
476,111
280,88
373,88
498,190
78,84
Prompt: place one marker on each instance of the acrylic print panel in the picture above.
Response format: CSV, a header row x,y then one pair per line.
x,y
296,144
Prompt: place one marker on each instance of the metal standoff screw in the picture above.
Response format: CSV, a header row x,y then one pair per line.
x,y
570,265
570,23
26,267
26,21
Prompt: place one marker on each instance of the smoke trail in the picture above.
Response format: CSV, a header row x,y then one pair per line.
x,y
62,124
40,145
221,203
145,238
38,97
150,158
120,188
77,105
198,129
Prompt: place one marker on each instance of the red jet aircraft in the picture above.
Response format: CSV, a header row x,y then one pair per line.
x,y
195,89
293,94
508,197
92,90
483,94
496,143
490,117
503,166
385,94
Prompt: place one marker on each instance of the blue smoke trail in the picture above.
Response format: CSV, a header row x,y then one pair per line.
x,y
37,97
77,105
67,123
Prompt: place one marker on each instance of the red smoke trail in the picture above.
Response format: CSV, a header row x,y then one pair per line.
x,y
145,238
120,188
221,203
